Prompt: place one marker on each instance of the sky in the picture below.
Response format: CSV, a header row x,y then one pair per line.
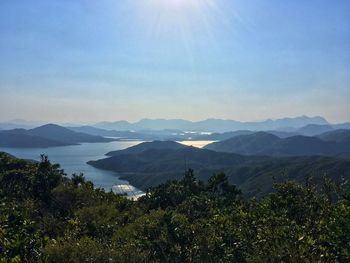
x,y
86,61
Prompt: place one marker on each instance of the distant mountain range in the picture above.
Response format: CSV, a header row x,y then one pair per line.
x,y
179,135
262,143
142,135
314,129
54,135
212,125
316,124
150,164
49,135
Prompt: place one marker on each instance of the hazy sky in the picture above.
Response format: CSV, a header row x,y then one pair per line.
x,y
84,60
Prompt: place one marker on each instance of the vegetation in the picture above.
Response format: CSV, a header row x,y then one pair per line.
x,y
142,147
150,164
341,136
47,217
265,143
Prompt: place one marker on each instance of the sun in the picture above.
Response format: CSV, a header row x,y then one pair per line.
x,y
184,21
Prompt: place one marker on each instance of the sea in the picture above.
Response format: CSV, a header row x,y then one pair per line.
x,y
74,158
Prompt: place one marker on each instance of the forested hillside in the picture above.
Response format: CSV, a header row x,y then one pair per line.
x,y
47,217
150,164
263,143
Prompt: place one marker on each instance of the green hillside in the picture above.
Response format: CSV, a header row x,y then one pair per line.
x,y
151,167
47,217
262,143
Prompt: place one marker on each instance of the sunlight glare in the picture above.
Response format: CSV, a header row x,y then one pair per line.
x,y
180,6
174,4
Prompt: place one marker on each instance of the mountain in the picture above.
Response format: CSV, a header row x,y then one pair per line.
x,y
48,135
154,160
228,135
142,147
262,143
340,126
17,140
146,135
212,125
52,131
340,136
303,146
250,144
108,133
170,134
283,134
314,129
153,166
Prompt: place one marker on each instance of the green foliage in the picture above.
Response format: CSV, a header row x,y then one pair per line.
x,y
47,217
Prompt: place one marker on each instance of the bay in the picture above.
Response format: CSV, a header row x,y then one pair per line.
x,y
73,160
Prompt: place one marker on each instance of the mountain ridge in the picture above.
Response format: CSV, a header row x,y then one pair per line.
x,y
48,135
151,167
212,124
263,143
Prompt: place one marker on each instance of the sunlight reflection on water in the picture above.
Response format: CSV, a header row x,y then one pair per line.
x,y
198,144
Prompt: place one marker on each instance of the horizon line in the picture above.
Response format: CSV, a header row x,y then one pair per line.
x,y
93,122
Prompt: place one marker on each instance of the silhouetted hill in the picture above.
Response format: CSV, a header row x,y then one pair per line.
x,y
314,129
283,134
228,135
49,135
167,160
159,145
154,166
340,136
266,144
17,140
340,126
59,133
245,144
301,146
92,131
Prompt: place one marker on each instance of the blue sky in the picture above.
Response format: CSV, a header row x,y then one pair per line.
x,y
83,60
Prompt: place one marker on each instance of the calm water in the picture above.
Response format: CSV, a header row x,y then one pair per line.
x,y
198,144
73,160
